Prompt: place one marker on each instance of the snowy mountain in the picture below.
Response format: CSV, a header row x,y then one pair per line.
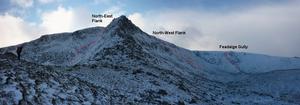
x,y
121,64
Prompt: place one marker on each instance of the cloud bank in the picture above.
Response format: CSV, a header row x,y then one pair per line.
x,y
268,29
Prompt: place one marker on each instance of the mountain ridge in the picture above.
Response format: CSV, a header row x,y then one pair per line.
x,y
127,66
121,37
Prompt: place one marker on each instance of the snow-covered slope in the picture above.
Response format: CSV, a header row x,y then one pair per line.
x,y
134,67
239,62
89,45
281,84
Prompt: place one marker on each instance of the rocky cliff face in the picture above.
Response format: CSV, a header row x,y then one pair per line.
x,y
121,64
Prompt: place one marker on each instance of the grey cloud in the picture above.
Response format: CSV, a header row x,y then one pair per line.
x,y
266,29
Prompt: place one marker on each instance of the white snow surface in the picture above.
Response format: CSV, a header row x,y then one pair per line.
x,y
79,47
126,62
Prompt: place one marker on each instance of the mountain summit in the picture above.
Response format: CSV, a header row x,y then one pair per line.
x,y
123,43
122,24
121,64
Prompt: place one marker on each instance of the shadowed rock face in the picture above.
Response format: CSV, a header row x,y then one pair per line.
x,y
121,64
123,25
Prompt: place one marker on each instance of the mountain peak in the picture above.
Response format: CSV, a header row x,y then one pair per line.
x,y
122,23
121,19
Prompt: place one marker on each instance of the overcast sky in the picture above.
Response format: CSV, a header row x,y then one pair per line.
x,y
269,27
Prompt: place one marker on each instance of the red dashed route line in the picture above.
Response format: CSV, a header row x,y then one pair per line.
x,y
226,54
79,49
189,60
